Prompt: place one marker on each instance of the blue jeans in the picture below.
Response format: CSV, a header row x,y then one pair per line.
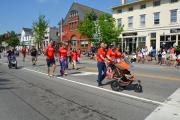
x,y
101,71
67,63
62,65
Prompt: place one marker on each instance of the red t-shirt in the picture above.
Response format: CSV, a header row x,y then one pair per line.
x,y
79,53
74,55
62,52
23,50
118,55
50,52
101,51
171,51
111,54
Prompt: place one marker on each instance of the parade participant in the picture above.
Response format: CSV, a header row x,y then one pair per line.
x,y
118,55
50,53
101,64
34,54
74,58
78,55
24,51
62,59
111,55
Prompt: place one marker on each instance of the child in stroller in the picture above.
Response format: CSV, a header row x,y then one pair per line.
x,y
12,62
121,76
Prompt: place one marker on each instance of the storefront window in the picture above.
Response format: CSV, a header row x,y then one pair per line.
x,y
84,43
178,40
167,41
141,42
173,38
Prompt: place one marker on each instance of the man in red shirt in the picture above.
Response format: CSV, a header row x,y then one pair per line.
x,y
101,64
62,59
50,53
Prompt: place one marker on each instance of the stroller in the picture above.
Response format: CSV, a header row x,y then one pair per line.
x,y
121,77
12,62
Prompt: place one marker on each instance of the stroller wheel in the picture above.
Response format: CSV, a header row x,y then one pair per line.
x,y
138,88
9,66
115,86
16,66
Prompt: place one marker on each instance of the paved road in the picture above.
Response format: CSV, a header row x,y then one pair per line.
x,y
29,94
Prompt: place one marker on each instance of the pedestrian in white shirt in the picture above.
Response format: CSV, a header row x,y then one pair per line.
x,y
163,56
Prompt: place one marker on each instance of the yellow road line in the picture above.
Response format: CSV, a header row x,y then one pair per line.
x,y
158,77
89,69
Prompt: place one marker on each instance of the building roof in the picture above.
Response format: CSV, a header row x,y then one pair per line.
x,y
27,30
87,9
83,9
130,4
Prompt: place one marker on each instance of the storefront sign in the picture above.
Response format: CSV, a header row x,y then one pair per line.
x,y
130,34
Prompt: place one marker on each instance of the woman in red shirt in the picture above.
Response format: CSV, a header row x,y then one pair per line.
x,y
74,58
62,59
111,55
118,55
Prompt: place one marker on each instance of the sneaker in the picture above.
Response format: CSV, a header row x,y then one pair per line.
x,y
100,84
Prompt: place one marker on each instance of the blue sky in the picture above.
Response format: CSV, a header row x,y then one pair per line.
x,y
16,14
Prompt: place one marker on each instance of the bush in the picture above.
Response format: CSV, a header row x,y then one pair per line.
x,y
177,50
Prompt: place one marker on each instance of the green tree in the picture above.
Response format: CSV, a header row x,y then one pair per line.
x,y
177,49
1,38
104,27
39,29
87,27
108,30
13,39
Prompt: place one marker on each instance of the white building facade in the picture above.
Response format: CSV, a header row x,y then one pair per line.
x,y
52,34
26,37
148,23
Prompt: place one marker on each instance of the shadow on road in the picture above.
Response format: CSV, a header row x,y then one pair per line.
x,y
130,87
41,65
20,67
4,83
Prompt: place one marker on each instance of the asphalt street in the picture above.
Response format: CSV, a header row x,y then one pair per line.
x,y
27,93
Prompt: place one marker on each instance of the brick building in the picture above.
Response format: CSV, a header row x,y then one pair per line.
x,y
70,34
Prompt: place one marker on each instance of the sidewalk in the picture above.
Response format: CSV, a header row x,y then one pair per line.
x,y
86,60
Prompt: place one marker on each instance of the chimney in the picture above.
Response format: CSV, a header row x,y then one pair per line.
x,y
124,1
